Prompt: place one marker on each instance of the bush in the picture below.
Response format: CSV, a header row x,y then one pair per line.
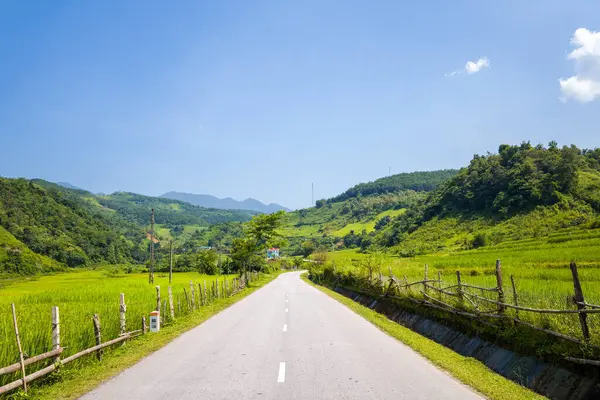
x,y
481,239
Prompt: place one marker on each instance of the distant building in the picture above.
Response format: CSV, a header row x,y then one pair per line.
x,y
205,247
273,252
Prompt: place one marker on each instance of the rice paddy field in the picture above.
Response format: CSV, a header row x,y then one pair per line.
x,y
79,295
540,268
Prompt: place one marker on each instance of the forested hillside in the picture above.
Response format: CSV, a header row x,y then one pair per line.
x,y
354,217
521,192
136,208
420,181
47,226
56,224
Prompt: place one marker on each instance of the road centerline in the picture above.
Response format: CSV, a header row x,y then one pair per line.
x,y
285,327
281,374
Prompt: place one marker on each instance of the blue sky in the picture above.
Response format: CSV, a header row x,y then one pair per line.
x,y
262,98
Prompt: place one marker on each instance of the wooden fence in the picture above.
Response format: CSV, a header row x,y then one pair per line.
x,y
205,295
471,301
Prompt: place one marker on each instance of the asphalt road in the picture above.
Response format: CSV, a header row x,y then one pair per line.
x,y
287,340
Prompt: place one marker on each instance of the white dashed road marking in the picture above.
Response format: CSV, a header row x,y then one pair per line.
x,y
281,375
285,327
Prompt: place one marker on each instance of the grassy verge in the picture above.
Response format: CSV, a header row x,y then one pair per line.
x,y
466,369
70,383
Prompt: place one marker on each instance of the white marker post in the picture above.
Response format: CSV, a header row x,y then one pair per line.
x,y
154,321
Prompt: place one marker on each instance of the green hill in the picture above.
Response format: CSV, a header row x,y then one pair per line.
x,y
136,208
419,181
519,193
55,223
16,258
47,226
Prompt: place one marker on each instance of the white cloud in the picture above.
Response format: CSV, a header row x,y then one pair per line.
x,y
580,89
472,67
588,42
585,85
453,73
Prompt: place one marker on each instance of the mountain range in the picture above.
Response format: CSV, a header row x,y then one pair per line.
x,y
206,200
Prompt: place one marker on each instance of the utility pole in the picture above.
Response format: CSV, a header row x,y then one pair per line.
x,y
170,261
151,269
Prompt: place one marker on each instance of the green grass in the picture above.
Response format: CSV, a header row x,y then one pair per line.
x,y
466,369
75,380
368,224
79,295
539,266
357,227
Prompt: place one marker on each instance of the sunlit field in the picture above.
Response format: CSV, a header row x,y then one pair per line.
x,y
79,295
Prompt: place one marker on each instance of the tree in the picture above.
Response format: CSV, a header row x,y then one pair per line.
x,y
308,247
206,262
259,234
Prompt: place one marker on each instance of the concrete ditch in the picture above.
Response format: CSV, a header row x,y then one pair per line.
x,y
554,382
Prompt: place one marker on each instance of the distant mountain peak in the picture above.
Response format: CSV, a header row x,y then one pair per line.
x,y
208,201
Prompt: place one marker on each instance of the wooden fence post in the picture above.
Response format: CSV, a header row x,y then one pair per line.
x,y
205,292
14,313
227,294
187,300
193,295
501,308
515,296
171,306
200,295
217,286
579,301
122,310
460,292
98,335
158,298
55,331
144,328
425,279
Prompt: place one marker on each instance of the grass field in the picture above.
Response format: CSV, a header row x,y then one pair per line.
x,y
79,295
540,268
367,225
